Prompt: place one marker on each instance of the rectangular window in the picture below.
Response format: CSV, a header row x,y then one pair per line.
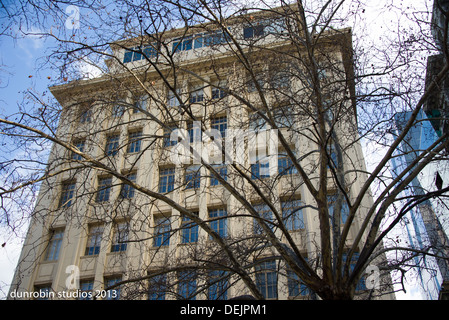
x,y
222,170
197,94
112,294
112,145
194,132
45,292
120,237
128,191
218,285
257,122
187,285
220,124
134,141
86,287
167,142
173,99
189,230
332,202
80,145
260,169
218,221
140,103
266,214
162,230
104,189
157,287
85,115
266,279
193,177
292,215
182,44
285,165
166,180
94,240
67,194
253,31
219,90
361,285
54,245
118,109
296,287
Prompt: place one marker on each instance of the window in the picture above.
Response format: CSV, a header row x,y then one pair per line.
x,y
182,44
218,285
80,145
94,240
112,144
187,285
218,221
266,214
257,122
280,80
193,177
128,191
332,154
120,237
260,169
118,109
86,287
85,115
104,189
112,294
194,131
45,292
173,99
67,194
157,287
222,170
220,124
251,84
285,165
134,141
296,287
197,94
162,232
167,132
266,279
332,202
219,90
189,230
253,31
166,180
54,245
140,103
139,53
292,215
361,285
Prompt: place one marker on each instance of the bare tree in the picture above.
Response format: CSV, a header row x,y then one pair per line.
x,y
223,141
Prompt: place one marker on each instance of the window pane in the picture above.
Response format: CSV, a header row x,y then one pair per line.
x,y
219,222
292,215
54,245
94,240
104,189
162,232
120,237
166,180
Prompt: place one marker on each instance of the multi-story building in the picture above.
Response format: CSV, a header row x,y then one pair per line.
x,y
427,225
136,140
